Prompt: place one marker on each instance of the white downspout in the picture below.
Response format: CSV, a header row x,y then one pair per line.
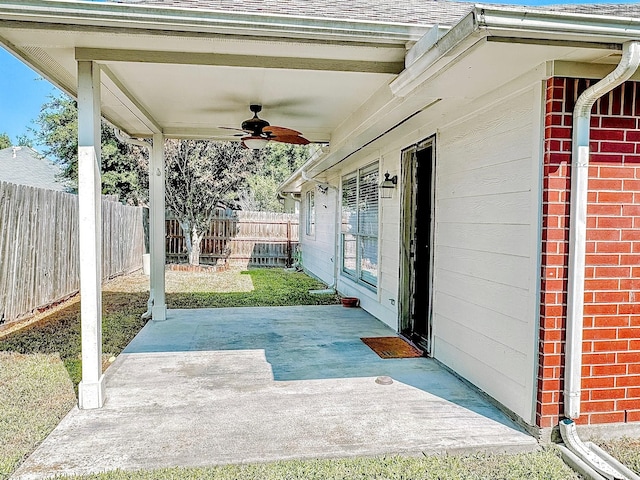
x,y
132,141
578,222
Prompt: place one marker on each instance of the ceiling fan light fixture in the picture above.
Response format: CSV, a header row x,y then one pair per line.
x,y
255,142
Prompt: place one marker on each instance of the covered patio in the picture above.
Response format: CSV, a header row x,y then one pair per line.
x,y
236,385
158,70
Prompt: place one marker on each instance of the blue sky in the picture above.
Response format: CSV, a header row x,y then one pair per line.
x,y
22,91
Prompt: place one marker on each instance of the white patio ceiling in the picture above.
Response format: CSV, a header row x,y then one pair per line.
x,y
188,78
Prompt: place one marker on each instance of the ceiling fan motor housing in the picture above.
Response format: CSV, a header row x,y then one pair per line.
x,y
255,124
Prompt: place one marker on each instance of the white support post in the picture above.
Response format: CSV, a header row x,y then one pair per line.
x,y
91,392
157,228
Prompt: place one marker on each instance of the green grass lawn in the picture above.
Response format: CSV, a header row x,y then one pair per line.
x,y
125,299
542,465
626,450
35,393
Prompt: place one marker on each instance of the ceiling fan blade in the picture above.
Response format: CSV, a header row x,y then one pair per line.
x,y
293,139
244,132
278,131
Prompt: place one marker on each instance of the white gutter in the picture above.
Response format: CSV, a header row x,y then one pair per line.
x,y
578,222
551,24
159,18
298,177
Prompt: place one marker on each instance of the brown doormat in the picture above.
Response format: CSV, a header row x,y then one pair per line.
x,y
392,347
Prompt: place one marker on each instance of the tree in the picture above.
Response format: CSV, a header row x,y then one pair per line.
x,y
124,167
5,141
58,130
24,141
277,162
202,177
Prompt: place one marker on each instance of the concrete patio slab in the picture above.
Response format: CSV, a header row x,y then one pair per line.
x,y
216,386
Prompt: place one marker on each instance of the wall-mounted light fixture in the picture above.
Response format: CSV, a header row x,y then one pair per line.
x,y
388,185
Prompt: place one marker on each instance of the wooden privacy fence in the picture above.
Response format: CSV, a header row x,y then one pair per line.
x,y
241,239
39,260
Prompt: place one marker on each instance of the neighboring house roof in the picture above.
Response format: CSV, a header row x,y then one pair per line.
x,y
25,166
423,12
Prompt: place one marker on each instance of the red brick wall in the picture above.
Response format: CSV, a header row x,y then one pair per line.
x,y
611,347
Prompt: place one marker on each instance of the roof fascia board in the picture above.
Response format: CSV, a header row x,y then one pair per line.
x,y
585,70
227,60
136,17
556,42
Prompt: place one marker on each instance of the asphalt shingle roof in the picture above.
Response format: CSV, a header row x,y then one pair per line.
x,y
28,167
631,10
421,12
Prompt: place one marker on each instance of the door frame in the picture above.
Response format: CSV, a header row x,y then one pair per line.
x,y
407,232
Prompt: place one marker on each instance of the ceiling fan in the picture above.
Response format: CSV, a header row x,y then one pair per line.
x,y
260,132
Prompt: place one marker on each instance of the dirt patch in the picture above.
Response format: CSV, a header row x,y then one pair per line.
x,y
185,282
176,281
40,316
185,267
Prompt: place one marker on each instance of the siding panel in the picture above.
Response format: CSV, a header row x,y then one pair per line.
x,y
495,267
318,249
484,290
495,238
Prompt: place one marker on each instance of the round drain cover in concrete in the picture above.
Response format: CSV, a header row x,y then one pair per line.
x,y
384,380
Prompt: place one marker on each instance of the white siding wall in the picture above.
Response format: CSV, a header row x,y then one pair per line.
x,y
381,303
318,249
486,248
487,239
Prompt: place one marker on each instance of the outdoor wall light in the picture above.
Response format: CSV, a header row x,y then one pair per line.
x,y
255,143
387,185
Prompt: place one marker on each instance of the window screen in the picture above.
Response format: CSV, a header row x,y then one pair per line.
x,y
311,214
360,225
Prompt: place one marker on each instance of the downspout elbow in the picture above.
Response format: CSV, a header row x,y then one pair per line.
x,y
578,222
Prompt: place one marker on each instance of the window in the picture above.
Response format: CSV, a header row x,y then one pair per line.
x,y
360,225
311,214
